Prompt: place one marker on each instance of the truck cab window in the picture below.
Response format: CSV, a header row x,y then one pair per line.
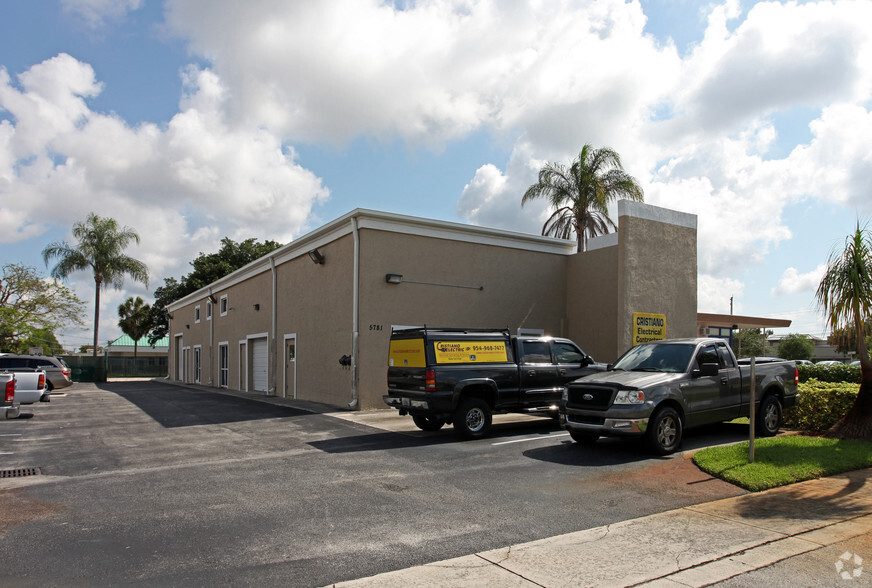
x,y
566,353
708,354
726,358
536,352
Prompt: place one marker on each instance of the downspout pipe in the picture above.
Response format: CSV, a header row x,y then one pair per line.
x,y
211,336
355,313
273,328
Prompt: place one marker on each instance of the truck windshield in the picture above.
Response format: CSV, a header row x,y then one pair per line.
x,y
672,358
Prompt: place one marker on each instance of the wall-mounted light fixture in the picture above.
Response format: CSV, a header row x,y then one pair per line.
x,y
398,279
316,256
257,307
212,299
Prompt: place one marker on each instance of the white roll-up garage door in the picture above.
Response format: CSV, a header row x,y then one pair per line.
x,y
260,364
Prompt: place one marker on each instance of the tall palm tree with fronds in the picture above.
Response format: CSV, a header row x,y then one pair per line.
x,y
100,248
845,296
580,194
135,320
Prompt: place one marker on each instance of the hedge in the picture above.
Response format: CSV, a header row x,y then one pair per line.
x,y
829,373
821,404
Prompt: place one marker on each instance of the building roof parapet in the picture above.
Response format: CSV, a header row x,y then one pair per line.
x,y
656,213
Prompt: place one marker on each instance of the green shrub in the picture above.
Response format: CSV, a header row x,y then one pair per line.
x,y
821,405
829,373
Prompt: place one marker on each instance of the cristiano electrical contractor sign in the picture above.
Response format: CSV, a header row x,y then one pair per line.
x,y
648,327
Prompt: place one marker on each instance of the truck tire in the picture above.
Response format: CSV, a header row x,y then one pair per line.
x,y
472,419
664,431
428,423
583,438
769,416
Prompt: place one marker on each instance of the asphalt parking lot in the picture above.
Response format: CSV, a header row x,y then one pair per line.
x,y
153,484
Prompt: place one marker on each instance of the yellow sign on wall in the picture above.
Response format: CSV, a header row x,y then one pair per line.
x,y
470,351
407,353
648,327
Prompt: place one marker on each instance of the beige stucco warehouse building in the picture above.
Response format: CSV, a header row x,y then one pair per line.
x,y
312,320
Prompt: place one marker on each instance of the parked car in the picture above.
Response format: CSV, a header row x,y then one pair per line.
x,y
804,362
855,362
829,362
8,405
57,373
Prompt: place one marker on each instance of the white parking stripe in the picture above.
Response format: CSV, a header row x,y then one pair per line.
x,y
531,439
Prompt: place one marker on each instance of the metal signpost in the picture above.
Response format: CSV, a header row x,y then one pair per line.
x,y
753,402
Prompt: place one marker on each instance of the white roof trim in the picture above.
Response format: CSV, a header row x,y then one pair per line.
x,y
655,213
602,241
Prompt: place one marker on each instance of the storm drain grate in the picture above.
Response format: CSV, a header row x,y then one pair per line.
x,y
19,472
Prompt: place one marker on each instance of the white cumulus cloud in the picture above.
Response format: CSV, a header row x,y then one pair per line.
x,y
793,282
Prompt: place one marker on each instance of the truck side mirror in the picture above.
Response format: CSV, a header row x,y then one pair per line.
x,y
708,369
588,360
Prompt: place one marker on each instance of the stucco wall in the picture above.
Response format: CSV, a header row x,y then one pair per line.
x,y
657,270
592,302
315,304
520,289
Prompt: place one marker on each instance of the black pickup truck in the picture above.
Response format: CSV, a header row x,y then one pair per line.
x,y
464,376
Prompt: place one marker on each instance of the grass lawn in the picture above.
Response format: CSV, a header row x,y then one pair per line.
x,y
779,461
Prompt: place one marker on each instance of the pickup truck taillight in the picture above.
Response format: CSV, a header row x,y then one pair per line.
x,y
10,390
41,384
796,376
430,381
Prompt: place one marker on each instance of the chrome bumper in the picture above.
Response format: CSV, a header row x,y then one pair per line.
x,y
608,426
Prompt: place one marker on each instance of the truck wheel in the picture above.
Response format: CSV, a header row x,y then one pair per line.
x,y
769,416
582,437
472,419
428,423
664,431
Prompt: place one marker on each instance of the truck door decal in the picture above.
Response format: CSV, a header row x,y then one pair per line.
x,y
470,352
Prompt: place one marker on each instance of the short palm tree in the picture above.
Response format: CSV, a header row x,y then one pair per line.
x,y
580,195
135,320
845,296
100,248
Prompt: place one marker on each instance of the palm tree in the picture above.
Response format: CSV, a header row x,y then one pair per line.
x,y
580,195
100,247
845,296
135,320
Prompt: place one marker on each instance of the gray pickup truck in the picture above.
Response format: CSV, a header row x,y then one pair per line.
x,y
656,390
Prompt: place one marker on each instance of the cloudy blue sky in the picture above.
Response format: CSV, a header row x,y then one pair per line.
x,y
191,120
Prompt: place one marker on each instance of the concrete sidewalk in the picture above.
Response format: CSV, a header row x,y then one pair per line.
x,y
694,546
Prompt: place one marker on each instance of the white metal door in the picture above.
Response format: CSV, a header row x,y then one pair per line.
x,y
260,364
290,367
180,360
